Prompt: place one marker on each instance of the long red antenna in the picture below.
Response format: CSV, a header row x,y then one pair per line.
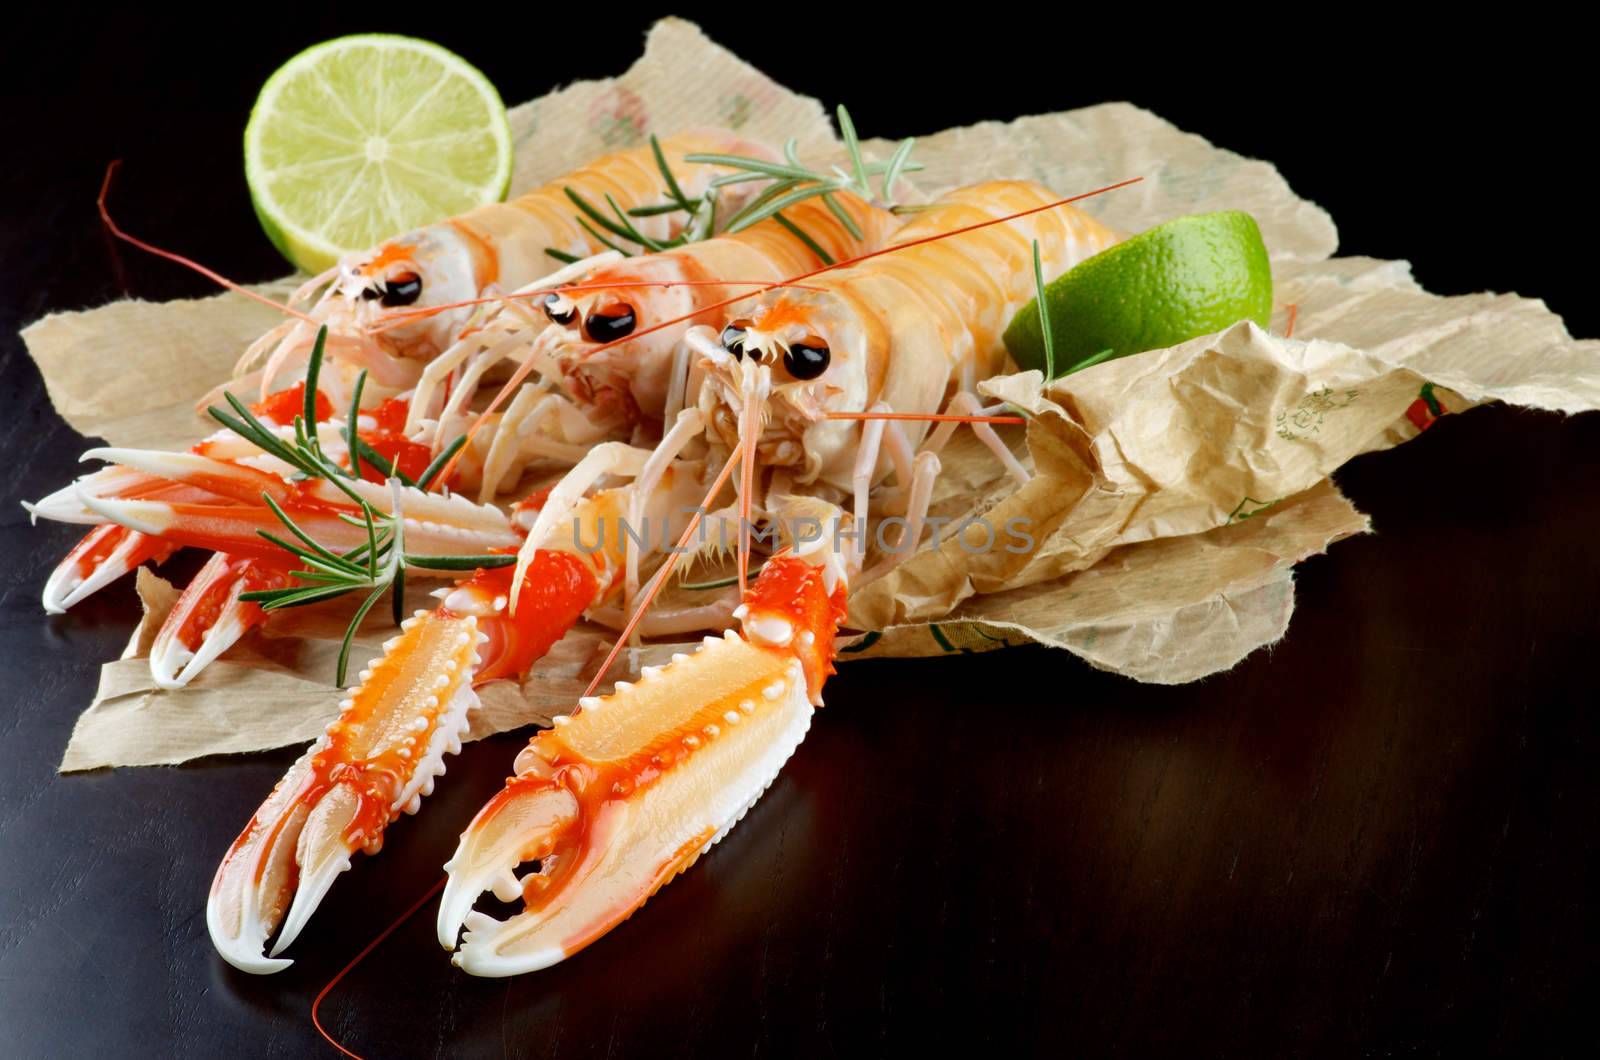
x,y
658,582
526,367
358,958
922,417
401,317
215,277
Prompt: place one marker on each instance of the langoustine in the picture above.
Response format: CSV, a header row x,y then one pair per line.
x,y
765,374
210,616
631,788
497,248
466,258
513,626
602,355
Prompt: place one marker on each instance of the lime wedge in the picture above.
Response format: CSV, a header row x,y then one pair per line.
x,y
361,138
1175,282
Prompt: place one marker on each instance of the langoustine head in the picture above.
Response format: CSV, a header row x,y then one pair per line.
x,y
372,306
805,354
635,375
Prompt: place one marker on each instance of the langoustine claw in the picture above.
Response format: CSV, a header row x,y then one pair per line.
x,y
631,788
288,856
376,761
209,617
104,554
109,551
220,509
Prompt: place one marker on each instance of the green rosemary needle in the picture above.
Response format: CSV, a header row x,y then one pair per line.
x,y
1044,316
793,182
378,566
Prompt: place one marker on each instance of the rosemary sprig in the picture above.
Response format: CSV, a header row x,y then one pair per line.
x,y
617,229
378,566
701,211
793,182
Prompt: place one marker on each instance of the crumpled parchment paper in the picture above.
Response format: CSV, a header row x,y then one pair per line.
x,y
1173,493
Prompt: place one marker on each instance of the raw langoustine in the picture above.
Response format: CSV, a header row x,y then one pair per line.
x,y
631,788
467,258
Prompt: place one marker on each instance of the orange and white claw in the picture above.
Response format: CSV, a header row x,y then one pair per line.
x,y
631,788
209,617
378,759
104,554
64,505
220,508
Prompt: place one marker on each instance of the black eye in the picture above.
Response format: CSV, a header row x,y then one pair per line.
x,y
553,308
733,340
402,290
609,324
806,360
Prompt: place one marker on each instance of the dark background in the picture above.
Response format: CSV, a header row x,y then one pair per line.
x,y
1376,837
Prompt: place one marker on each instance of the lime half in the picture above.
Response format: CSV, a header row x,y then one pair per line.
x,y
361,138
1175,282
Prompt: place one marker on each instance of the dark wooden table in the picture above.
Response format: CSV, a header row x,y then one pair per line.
x,y
1376,837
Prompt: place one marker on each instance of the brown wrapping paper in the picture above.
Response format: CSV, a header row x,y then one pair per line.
x,y
1173,493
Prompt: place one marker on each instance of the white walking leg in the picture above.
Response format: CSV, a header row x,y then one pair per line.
x,y
685,429
965,404
861,481
610,458
925,472
506,448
